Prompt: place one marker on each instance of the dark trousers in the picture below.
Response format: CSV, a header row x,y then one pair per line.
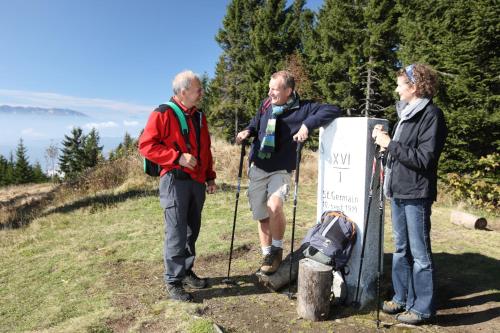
x,y
182,200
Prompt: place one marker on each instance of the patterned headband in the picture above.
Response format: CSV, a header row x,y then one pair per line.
x,y
409,73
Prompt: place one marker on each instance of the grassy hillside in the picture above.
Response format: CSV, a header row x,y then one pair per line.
x,y
89,259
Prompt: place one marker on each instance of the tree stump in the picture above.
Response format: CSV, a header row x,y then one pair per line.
x,y
467,220
314,289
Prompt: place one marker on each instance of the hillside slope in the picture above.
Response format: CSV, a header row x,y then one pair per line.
x,y
91,261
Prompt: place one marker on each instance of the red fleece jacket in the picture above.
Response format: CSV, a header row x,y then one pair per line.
x,y
162,142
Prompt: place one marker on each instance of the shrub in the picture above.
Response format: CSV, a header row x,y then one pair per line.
x,y
480,188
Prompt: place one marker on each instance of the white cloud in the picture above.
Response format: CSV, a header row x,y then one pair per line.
x,y
53,100
131,123
98,126
31,133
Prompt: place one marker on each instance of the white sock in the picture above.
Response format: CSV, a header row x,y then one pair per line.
x,y
278,243
266,250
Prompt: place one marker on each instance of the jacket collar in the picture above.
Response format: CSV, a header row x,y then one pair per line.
x,y
401,105
183,107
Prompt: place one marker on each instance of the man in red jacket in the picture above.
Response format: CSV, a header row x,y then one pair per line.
x,y
187,173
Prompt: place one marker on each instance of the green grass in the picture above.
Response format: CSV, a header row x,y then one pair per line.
x,y
99,263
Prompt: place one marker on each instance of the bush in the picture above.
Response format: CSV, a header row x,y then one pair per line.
x,y
480,188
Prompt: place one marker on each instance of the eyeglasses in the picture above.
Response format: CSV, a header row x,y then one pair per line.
x,y
409,73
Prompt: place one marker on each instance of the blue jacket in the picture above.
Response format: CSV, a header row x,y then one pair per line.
x,y
311,114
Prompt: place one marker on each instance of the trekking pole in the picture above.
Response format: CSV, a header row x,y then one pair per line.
x,y
227,280
356,302
297,167
381,223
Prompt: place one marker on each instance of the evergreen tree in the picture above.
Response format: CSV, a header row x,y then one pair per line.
x,y
23,172
3,171
459,39
276,36
38,175
227,106
352,57
9,174
124,148
92,152
72,154
257,38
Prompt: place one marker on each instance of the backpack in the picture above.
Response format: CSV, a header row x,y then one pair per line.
x,y
153,169
331,241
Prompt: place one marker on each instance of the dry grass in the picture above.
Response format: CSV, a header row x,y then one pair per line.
x,y
227,159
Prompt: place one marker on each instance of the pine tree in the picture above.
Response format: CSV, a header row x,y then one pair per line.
x,y
23,172
351,53
458,38
92,152
124,148
274,38
72,154
3,170
227,106
9,173
38,175
257,38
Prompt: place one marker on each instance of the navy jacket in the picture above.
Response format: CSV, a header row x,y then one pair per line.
x,y
414,157
311,114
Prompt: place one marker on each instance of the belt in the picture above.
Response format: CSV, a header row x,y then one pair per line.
x,y
179,174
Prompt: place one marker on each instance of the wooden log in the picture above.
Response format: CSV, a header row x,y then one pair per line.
x,y
467,220
281,277
313,290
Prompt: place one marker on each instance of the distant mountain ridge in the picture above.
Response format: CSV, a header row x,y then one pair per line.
x,y
31,110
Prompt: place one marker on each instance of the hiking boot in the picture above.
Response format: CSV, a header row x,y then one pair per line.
x,y
392,307
177,292
410,318
193,281
272,261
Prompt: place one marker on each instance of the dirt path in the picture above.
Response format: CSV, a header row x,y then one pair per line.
x,y
250,307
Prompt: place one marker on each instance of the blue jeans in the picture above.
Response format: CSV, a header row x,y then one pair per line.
x,y
412,266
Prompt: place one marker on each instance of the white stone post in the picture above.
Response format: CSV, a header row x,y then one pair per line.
x,y
346,151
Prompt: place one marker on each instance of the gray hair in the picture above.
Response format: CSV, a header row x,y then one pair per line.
x,y
183,81
288,79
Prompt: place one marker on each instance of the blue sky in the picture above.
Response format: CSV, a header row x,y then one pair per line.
x,y
111,59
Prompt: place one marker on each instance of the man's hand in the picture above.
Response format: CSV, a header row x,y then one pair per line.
x,y
302,134
211,187
241,136
188,161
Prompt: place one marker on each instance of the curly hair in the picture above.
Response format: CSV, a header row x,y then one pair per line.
x,y
424,77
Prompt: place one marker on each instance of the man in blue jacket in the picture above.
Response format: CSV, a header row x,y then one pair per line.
x,y
281,121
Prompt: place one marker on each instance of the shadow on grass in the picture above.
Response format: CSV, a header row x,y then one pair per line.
x,y
24,214
20,215
101,201
243,285
460,278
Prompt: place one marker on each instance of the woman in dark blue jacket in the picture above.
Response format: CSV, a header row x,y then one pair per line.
x,y
411,184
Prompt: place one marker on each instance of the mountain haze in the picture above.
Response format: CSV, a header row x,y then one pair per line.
x,y
30,110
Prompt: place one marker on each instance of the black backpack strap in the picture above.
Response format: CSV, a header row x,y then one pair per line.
x,y
197,127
